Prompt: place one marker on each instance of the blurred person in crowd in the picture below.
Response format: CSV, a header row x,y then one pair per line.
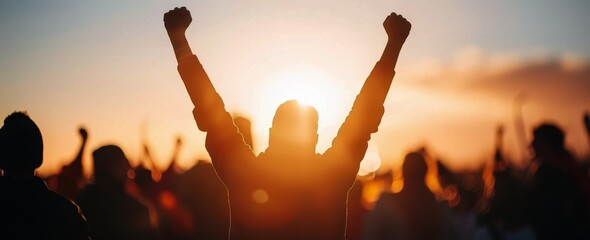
x,y
112,213
413,213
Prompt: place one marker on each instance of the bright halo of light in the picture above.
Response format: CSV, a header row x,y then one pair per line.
x,y
307,85
371,162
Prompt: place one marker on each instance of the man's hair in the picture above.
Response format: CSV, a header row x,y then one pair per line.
x,y
550,135
21,144
294,113
107,159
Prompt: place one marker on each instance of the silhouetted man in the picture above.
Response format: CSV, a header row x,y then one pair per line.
x,y
28,210
558,204
111,212
289,191
410,214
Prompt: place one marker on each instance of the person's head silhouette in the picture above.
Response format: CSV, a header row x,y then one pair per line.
x,y
294,128
548,140
414,169
21,145
110,165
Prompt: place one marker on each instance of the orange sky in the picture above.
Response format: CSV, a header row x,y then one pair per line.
x,y
109,66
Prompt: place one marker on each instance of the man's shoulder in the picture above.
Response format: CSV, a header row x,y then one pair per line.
x,y
4,183
61,203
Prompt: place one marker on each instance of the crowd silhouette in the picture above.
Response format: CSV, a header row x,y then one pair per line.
x,y
289,191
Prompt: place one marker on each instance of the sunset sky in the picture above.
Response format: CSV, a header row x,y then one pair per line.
x,y
109,66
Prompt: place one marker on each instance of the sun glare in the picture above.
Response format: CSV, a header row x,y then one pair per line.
x,y
371,162
308,86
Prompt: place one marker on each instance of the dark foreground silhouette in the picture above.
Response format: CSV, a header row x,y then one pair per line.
x,y
28,210
289,191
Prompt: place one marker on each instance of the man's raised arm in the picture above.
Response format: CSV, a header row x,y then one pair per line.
x,y
224,143
197,83
176,22
365,116
377,84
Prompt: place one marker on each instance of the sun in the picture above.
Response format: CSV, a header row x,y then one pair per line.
x,y
308,86
304,84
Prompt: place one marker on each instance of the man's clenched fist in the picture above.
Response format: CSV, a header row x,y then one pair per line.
x,y
177,20
397,28
83,133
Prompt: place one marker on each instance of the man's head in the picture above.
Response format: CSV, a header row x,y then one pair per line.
x,y
110,164
414,169
294,126
548,139
21,144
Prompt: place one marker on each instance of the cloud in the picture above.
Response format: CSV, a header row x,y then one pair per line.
x,y
535,73
571,62
454,105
